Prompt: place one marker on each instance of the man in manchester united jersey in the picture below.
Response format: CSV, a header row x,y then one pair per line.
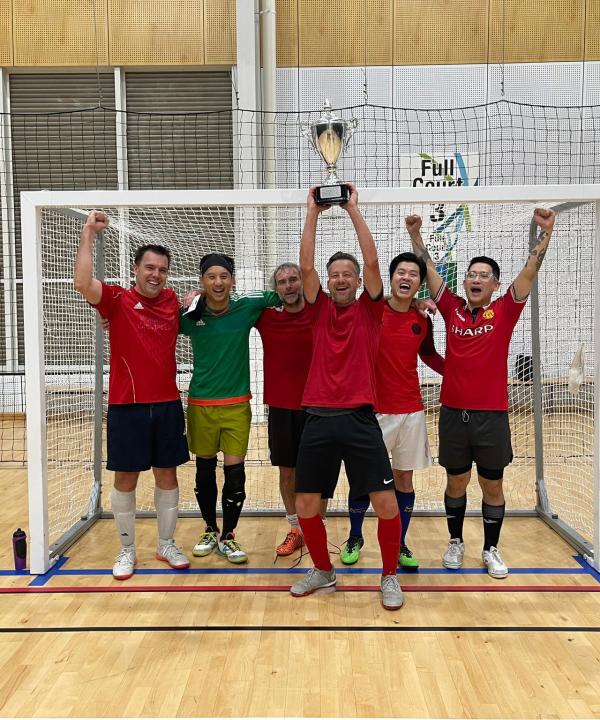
x,y
286,334
405,335
473,425
145,422
339,398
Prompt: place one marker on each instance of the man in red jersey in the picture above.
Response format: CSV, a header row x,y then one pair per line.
x,y
145,422
405,335
473,423
339,398
286,329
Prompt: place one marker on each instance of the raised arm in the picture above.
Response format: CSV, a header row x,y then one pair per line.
x,y
84,279
434,280
372,281
310,277
523,282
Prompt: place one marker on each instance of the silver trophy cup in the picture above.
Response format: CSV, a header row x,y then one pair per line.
x,y
329,136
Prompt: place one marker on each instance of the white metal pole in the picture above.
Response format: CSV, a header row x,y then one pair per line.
x,y
122,172
596,284
8,229
37,452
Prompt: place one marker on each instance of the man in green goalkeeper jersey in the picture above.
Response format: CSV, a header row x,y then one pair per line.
x,y
218,324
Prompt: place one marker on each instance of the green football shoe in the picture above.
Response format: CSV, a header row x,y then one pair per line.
x,y
351,550
406,559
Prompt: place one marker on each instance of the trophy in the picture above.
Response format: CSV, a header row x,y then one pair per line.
x,y
329,135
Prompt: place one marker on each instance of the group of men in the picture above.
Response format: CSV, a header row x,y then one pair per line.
x,y
341,383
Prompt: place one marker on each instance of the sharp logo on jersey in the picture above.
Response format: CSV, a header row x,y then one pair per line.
x,y
416,328
139,306
459,315
488,314
472,332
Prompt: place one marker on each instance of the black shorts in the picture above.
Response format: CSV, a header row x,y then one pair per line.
x,y
482,436
285,431
144,435
354,438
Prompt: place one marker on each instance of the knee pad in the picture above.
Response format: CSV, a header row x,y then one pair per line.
x,y
459,471
490,473
234,487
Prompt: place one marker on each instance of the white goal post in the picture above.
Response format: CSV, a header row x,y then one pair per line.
x,y
555,474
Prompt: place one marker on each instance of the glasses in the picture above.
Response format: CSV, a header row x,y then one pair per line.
x,y
484,275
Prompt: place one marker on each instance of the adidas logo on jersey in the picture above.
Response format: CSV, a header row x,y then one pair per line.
x,y
200,323
139,306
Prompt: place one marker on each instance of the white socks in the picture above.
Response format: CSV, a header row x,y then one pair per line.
x,y
123,507
166,503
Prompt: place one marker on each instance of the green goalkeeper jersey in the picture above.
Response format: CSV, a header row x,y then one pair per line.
x,y
220,345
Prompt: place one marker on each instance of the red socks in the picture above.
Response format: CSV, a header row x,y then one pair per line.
x,y
388,534
315,537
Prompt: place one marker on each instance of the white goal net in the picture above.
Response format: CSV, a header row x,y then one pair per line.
x,y
67,355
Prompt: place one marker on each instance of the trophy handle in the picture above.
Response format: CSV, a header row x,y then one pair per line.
x,y
306,131
351,126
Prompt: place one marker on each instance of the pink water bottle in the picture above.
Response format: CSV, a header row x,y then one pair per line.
x,y
20,549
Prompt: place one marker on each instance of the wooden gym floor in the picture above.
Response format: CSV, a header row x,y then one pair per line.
x,y
223,641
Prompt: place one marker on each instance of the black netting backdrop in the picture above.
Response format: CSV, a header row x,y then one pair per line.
x,y
509,144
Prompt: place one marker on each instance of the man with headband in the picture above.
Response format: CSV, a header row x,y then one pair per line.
x,y
218,324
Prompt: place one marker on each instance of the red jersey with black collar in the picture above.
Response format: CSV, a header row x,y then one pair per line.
x,y
476,365
143,333
345,344
287,351
404,336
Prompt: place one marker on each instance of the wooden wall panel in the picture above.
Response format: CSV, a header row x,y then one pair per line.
x,y
440,32
541,31
592,47
161,32
59,32
336,34
287,33
6,56
220,32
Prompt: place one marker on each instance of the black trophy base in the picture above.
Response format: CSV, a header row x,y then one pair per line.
x,y
332,194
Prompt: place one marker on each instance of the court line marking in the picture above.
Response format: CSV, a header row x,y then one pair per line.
x,y
123,588
313,628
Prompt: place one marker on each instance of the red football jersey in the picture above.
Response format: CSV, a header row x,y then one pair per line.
x,y
404,336
287,351
476,366
345,343
143,333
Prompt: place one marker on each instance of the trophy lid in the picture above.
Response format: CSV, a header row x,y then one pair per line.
x,y
327,114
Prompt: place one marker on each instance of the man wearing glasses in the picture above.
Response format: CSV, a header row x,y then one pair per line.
x,y
473,425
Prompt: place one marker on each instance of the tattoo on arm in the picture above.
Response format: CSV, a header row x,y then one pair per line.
x,y
536,254
424,253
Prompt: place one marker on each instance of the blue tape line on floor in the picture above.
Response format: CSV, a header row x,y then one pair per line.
x,y
587,568
54,570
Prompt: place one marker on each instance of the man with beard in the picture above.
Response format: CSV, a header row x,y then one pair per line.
x,y
286,334
339,397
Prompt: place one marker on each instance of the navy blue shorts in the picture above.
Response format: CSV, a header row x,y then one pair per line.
x,y
144,435
354,438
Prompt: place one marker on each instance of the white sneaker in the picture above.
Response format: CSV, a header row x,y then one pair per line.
x,y
173,555
494,563
230,548
453,557
207,542
391,593
125,563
